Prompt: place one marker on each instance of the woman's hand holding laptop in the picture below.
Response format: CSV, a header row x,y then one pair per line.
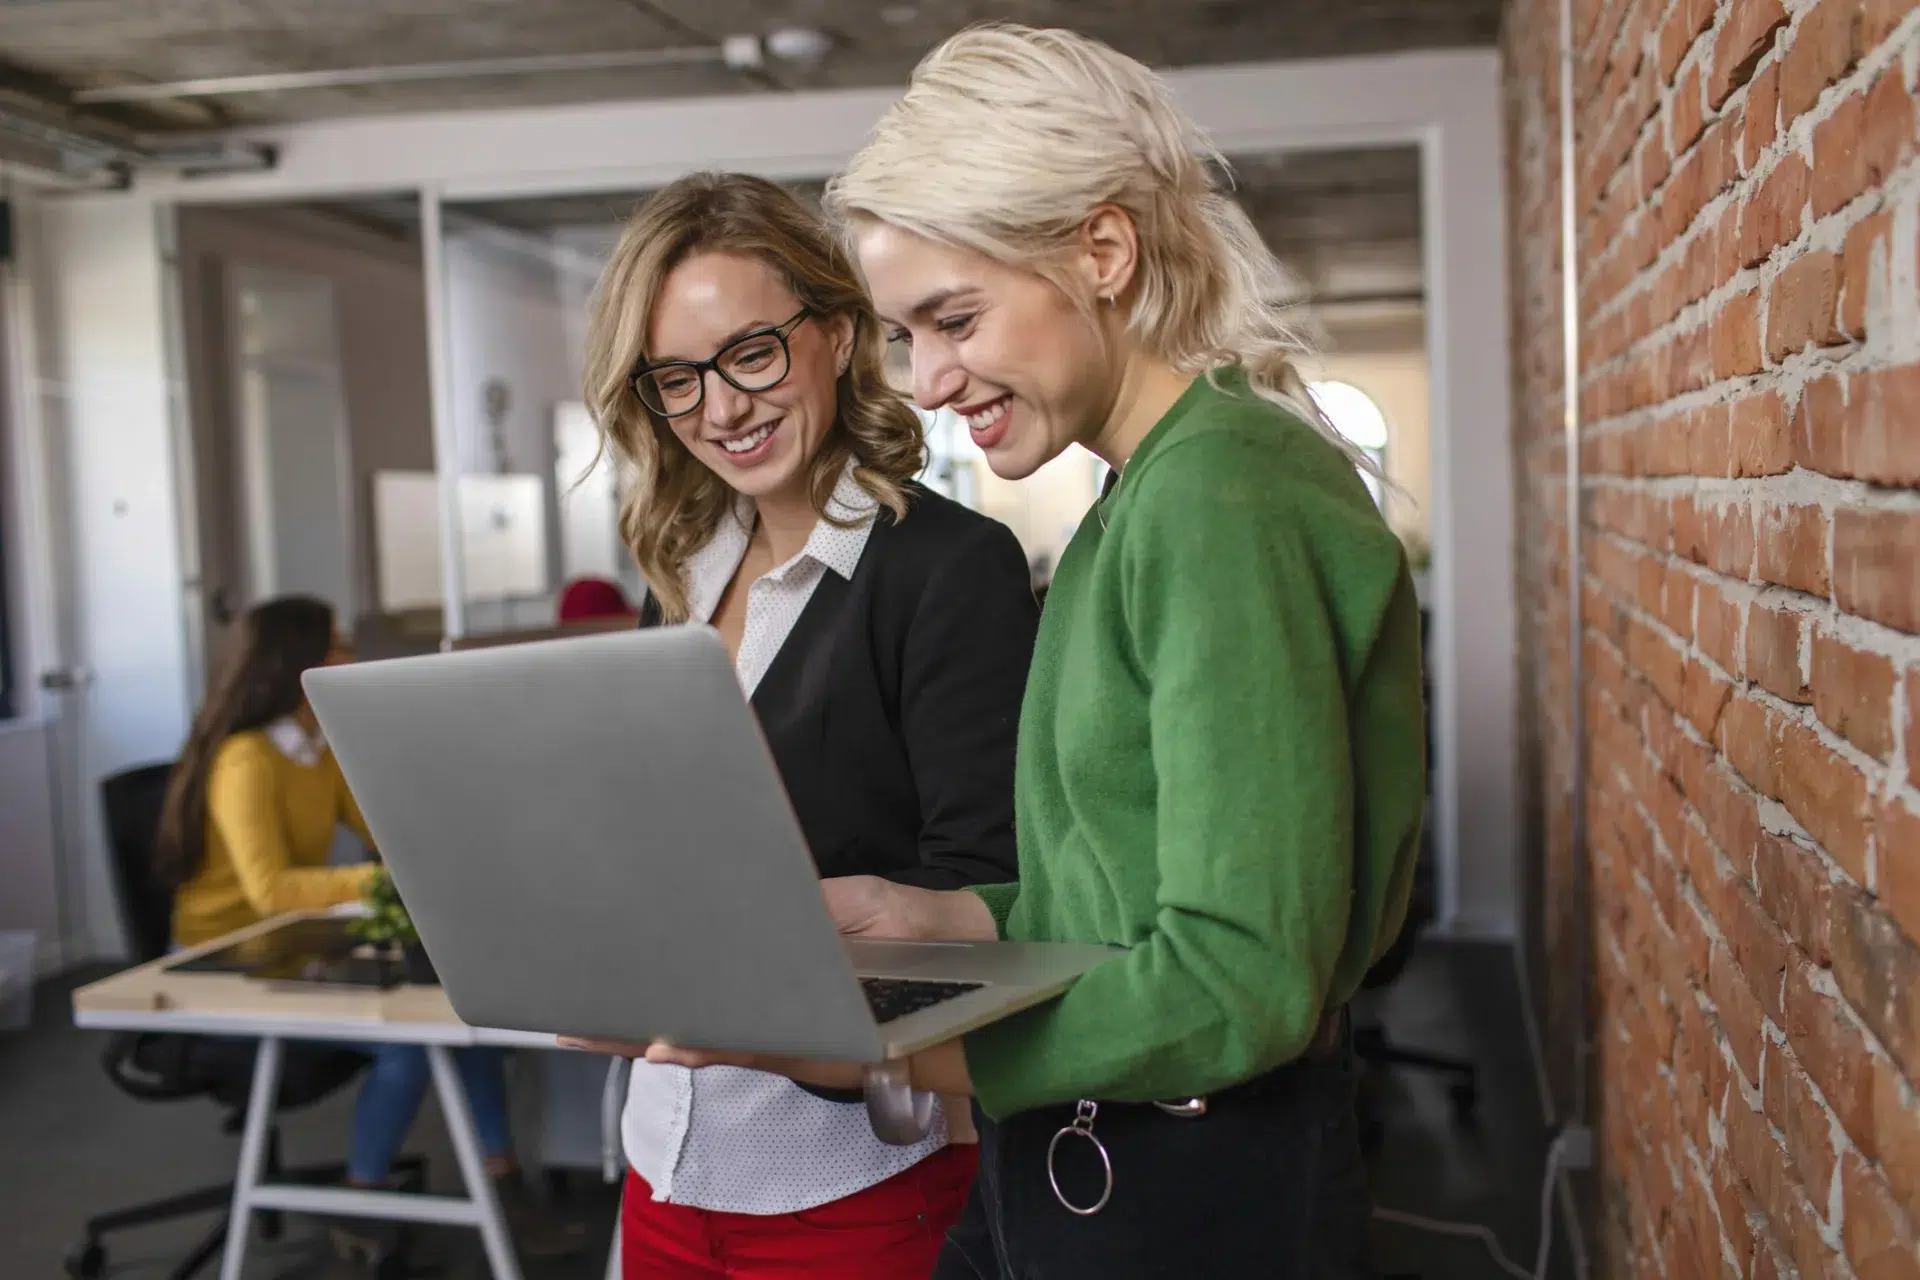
x,y
873,907
861,906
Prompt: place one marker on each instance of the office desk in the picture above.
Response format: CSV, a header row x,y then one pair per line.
x,y
153,997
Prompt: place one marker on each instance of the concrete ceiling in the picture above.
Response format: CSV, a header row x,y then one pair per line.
x,y
1346,222
51,49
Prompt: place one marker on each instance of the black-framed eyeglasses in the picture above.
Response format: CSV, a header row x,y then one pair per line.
x,y
757,361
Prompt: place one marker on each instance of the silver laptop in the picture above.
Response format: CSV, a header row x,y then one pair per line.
x,y
592,839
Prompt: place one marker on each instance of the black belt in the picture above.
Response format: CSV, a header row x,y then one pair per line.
x,y
1328,1038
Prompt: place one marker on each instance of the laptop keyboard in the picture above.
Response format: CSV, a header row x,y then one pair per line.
x,y
891,998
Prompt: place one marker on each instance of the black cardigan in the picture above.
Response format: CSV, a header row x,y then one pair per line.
x,y
892,706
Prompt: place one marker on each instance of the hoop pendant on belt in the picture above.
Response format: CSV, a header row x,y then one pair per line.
x,y
1082,1127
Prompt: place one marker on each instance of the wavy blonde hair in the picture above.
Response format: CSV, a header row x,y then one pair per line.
x,y
1009,137
674,503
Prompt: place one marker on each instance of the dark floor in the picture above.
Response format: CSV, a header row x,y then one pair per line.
x,y
1460,998
71,1144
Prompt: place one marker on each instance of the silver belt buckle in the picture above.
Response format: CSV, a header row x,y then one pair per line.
x,y
1184,1108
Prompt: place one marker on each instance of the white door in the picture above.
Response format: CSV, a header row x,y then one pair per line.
x,y
97,490
31,905
294,473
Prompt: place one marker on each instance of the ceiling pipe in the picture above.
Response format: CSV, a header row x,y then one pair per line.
x,y
62,155
738,53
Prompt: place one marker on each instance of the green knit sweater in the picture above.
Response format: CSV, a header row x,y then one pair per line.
x,y
1221,763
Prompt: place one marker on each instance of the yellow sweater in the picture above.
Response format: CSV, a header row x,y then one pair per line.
x,y
270,827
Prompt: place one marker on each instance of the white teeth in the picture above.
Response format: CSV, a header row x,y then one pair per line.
x,y
988,416
748,442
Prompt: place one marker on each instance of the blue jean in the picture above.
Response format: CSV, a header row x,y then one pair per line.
x,y
390,1098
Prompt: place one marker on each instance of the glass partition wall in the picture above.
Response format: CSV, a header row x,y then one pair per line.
x,y
454,489
536,500
306,357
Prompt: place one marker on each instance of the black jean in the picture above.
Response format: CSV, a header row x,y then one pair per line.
x,y
1269,1184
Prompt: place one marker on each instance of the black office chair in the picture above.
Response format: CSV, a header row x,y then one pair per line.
x,y
156,1067
1371,1043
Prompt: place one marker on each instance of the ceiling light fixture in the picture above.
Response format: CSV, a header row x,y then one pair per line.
x,y
798,44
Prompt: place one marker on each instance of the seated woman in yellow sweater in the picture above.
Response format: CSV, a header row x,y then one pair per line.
x,y
246,833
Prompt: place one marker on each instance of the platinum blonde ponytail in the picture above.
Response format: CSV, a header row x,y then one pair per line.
x,y
1009,137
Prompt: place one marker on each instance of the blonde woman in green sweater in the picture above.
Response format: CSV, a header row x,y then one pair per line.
x,y
1220,760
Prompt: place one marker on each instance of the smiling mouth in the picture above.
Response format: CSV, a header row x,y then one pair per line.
x,y
988,415
750,441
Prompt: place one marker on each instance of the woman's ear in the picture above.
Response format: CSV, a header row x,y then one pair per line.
x,y
1108,252
840,337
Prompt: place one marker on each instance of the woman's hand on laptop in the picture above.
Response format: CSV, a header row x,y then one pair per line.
x,y
872,907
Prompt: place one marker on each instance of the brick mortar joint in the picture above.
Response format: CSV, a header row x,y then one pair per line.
x,y
1888,784
1799,367
1900,648
1831,1222
1796,488
1821,980
1607,60
1807,718
1904,728
1649,205
1796,138
1703,1178
1784,824
1816,233
1894,48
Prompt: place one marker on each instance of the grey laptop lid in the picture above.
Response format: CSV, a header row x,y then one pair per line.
x,y
579,827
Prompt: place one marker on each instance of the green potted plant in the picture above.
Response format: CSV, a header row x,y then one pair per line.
x,y
1419,553
388,929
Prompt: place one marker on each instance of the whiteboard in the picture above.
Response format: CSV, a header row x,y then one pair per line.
x,y
503,526
503,538
589,496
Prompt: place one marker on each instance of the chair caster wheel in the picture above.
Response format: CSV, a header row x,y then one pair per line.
x,y
87,1261
1465,1097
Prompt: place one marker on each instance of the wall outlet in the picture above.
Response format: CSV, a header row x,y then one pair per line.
x,y
1576,1147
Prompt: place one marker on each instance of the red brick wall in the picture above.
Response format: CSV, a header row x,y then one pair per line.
x,y
1747,243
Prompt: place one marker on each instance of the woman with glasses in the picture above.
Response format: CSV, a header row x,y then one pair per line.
x,y
1221,752
882,633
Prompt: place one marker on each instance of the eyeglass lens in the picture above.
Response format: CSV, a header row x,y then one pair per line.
x,y
756,362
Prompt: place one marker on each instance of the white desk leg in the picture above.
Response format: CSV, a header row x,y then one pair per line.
x,y
473,1166
253,1152
613,1156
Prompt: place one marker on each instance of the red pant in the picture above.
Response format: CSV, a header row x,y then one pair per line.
x,y
891,1231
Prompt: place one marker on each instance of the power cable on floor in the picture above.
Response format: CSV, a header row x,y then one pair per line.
x,y
1485,1234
